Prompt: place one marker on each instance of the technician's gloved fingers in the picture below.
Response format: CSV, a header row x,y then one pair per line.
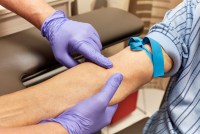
x,y
111,87
104,96
110,111
64,58
97,40
68,61
73,37
93,55
93,43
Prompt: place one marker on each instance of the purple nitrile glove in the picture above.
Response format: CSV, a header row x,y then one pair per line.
x,y
92,114
68,37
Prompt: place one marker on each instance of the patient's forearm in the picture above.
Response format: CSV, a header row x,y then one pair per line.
x,y
52,97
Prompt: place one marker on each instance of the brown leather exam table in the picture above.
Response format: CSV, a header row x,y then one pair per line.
x,y
26,56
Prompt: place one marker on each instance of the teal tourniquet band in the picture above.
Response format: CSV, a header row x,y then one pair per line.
x,y
156,56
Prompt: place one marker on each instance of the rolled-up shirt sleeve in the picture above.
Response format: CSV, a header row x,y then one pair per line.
x,y
173,34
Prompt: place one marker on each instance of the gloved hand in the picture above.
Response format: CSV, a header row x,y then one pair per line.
x,y
68,37
92,114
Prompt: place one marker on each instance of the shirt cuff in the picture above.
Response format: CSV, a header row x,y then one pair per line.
x,y
170,48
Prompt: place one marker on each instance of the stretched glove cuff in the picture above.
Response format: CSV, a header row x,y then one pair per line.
x,y
54,120
73,123
58,14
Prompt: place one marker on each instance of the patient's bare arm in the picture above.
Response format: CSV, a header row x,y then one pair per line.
x,y
52,97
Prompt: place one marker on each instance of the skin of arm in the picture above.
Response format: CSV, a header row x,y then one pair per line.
x,y
35,14
47,128
52,97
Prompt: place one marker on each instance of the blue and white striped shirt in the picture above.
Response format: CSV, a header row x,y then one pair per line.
x,y
179,35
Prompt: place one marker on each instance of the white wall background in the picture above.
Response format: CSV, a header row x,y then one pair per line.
x,y
88,5
122,4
